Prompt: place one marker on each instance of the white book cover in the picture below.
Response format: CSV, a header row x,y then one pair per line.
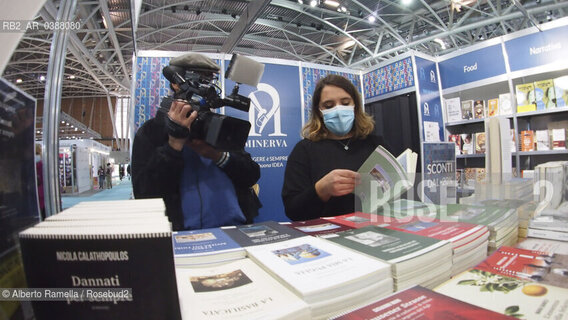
x,y
505,104
453,109
236,290
542,140
317,269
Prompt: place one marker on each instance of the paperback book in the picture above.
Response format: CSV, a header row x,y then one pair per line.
x,y
384,178
492,107
420,303
542,140
529,265
507,295
479,109
527,140
561,91
544,94
113,257
261,233
480,142
453,109
328,277
525,97
321,227
467,109
238,289
505,104
409,255
205,246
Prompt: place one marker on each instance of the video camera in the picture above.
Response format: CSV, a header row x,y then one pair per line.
x,y
223,132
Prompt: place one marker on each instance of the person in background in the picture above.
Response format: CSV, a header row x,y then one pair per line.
x,y
101,174
320,174
120,171
108,176
202,187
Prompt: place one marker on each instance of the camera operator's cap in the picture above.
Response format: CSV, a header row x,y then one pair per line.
x,y
195,62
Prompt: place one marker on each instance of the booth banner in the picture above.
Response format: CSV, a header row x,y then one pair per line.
x,y
275,116
392,77
429,101
438,173
310,78
473,66
538,49
151,86
18,188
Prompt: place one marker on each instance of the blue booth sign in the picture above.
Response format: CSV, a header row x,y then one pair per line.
x,y
276,119
473,66
537,49
429,100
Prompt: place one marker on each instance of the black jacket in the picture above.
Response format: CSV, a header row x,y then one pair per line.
x,y
157,168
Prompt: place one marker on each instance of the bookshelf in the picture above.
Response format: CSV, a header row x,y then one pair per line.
x,y
507,73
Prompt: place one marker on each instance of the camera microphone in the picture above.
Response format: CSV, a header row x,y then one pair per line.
x,y
172,75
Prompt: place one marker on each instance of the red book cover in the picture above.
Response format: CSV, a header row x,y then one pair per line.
x,y
529,265
355,220
318,227
458,233
421,303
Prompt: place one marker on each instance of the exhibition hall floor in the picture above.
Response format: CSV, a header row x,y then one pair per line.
x,y
121,190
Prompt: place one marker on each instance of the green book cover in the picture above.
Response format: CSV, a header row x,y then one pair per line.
x,y
388,245
382,179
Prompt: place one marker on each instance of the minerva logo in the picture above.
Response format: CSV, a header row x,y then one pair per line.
x,y
265,109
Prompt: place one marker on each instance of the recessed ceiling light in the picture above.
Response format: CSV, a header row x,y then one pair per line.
x,y
331,3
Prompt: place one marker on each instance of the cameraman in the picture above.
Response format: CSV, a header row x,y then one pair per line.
x,y
201,186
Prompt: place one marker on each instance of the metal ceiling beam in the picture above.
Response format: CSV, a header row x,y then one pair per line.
x,y
246,20
464,28
112,35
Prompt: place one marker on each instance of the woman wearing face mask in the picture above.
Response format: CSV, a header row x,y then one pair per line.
x,y
321,172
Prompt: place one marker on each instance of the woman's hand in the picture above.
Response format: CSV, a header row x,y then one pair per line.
x,y
338,182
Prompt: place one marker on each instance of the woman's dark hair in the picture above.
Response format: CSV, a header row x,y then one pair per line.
x,y
315,129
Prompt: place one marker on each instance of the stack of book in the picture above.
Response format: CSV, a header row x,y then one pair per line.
x,y
546,245
205,247
503,223
469,241
107,253
513,188
328,277
549,224
239,289
414,259
551,179
526,210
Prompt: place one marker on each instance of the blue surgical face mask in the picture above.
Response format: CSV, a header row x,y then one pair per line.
x,y
339,119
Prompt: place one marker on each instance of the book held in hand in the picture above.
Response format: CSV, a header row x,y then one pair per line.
x,y
384,178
